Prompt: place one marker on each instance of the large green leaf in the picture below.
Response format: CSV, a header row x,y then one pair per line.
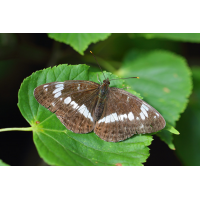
x,y
183,37
79,41
188,143
59,146
165,82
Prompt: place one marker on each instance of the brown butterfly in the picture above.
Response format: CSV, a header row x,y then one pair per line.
x,y
114,114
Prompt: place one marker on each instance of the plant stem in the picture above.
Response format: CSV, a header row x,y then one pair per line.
x,y
16,129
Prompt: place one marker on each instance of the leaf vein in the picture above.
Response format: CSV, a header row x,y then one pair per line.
x,y
59,144
68,148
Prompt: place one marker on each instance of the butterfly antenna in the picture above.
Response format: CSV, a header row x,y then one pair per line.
x,y
98,64
125,78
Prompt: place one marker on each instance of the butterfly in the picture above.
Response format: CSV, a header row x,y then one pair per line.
x,y
83,106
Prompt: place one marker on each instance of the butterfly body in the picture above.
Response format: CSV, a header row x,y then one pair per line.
x,y
113,113
103,91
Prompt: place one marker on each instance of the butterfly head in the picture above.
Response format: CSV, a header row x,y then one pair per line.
x,y
106,82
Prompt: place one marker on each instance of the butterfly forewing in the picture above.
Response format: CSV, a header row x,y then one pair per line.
x,y
125,115
73,103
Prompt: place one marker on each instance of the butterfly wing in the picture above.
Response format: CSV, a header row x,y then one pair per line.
x,y
125,115
72,101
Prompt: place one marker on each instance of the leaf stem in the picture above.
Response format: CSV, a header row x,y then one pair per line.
x,y
16,129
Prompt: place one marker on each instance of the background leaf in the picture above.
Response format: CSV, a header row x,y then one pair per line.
x,y
79,41
59,146
165,82
31,52
184,37
188,143
3,163
5,67
166,135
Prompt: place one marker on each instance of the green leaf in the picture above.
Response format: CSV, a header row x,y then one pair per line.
x,y
188,143
183,37
59,146
79,41
171,129
166,135
165,81
3,163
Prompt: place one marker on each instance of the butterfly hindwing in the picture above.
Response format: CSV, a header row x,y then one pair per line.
x,y
128,115
73,103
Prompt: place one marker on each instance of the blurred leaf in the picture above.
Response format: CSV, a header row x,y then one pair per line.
x,y
59,146
165,81
188,143
166,135
144,43
184,37
79,41
8,39
8,45
3,163
6,66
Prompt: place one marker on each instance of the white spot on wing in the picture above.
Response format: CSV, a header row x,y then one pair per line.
x,y
78,88
145,107
108,119
142,116
130,116
46,89
53,104
67,100
157,114
84,111
45,86
128,98
144,111
137,118
74,104
112,119
57,95
115,116
122,117
58,90
60,85
81,109
101,120
154,117
142,126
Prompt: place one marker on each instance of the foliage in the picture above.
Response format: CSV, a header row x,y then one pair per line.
x,y
165,83
188,143
79,41
3,163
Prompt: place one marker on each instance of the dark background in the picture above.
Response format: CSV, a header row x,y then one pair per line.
x,y
23,54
